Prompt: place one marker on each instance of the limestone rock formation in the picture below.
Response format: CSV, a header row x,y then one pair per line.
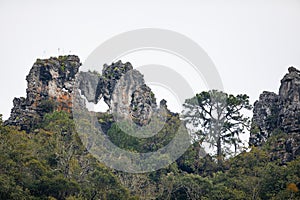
x,y
123,90
289,93
275,113
265,117
132,98
111,74
87,83
50,85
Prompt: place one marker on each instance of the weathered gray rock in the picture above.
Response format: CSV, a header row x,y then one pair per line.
x,y
87,83
111,74
265,117
289,93
50,85
123,90
143,105
274,113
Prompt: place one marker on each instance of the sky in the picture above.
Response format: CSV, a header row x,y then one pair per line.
x,y
252,43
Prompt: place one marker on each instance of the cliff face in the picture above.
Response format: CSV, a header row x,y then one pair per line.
x,y
289,93
123,90
275,113
51,83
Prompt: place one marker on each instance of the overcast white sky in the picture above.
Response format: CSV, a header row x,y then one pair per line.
x,y
252,43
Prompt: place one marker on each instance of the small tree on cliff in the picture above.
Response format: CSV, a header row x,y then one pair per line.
x,y
216,117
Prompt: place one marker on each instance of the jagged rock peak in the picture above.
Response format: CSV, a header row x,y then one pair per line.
x,y
123,90
275,113
111,74
290,84
50,84
95,86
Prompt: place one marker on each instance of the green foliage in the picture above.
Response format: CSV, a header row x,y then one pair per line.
x,y
188,186
63,63
123,140
62,67
216,117
62,58
188,161
47,106
39,61
52,164
250,175
254,129
272,141
192,162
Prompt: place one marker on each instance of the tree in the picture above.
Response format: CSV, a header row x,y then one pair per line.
x,y
216,117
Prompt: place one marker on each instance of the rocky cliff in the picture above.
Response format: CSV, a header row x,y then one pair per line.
x,y
279,114
51,83
123,90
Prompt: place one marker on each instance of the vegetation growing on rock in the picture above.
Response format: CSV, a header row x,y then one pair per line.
x,y
42,156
